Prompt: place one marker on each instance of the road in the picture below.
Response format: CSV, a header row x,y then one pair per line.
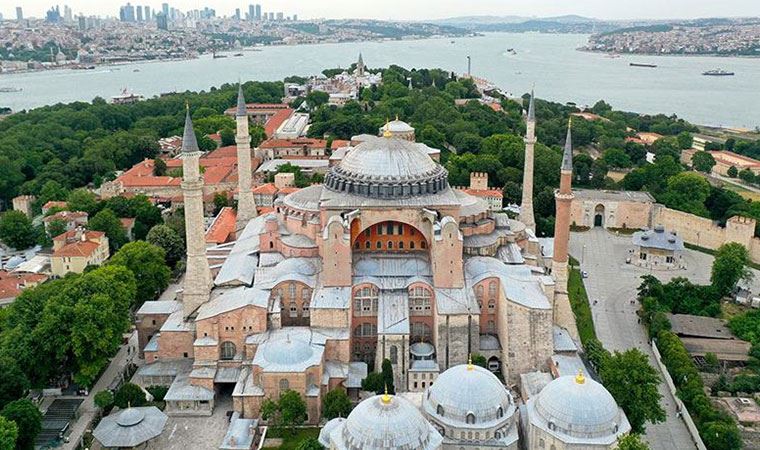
x,y
612,283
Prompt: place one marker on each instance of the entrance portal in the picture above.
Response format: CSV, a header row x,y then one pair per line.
x,y
599,216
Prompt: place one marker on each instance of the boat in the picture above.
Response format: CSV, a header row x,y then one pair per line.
x,y
237,55
136,70
642,65
718,73
126,98
10,89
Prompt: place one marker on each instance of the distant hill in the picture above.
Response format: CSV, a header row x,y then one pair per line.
x,y
559,24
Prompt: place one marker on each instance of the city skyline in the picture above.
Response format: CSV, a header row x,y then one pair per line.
x,y
421,10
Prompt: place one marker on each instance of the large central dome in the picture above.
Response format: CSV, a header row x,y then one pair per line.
x,y
387,167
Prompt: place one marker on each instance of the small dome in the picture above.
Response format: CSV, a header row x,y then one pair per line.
x,y
387,168
580,407
130,417
288,351
422,349
468,390
388,421
397,126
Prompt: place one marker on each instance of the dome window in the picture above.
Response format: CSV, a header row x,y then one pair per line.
x,y
500,412
439,411
470,418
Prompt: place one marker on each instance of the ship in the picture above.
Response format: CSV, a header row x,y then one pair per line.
x,y
10,89
718,73
642,65
126,98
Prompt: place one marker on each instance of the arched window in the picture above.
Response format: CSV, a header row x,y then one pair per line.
x,y
439,410
284,384
305,308
470,419
479,292
401,245
500,412
491,305
293,309
390,244
423,244
492,289
291,290
367,245
228,350
379,245
394,354
411,245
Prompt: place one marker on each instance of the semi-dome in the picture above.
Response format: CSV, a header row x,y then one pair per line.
x,y
387,167
386,421
468,390
579,407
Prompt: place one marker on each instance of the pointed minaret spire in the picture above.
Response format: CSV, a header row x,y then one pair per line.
x,y
198,276
246,203
526,206
563,199
567,156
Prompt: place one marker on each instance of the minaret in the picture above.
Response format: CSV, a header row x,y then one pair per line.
x,y
360,66
246,204
526,206
198,276
563,314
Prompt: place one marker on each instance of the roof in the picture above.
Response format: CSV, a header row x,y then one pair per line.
x,y
276,120
724,349
265,189
619,196
74,247
159,307
486,193
240,433
734,159
12,283
229,151
563,342
272,164
658,238
291,349
222,229
66,216
217,169
54,204
130,427
189,140
298,142
232,299
517,281
182,390
698,326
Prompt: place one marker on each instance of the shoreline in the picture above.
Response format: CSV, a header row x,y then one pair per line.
x,y
685,55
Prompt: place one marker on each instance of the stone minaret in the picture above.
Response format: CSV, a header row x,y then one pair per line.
x,y
246,204
526,207
198,276
563,314
360,66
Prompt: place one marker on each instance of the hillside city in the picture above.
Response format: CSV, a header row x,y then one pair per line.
x,y
365,258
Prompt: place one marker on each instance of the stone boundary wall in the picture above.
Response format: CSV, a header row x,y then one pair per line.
x,y
679,404
705,233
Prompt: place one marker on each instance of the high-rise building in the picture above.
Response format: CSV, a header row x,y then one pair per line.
x,y
53,15
148,17
127,13
237,13
67,14
162,21
82,22
165,9
257,14
19,14
251,11
295,17
271,17
139,15
280,16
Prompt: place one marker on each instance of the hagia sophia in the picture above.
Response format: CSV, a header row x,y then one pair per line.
x,y
384,260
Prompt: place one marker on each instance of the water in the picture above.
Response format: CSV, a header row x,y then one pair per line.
x,y
551,62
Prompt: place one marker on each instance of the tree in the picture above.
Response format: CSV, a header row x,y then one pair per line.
x,y
730,267
129,394
159,167
16,230
684,139
373,383
292,409
228,136
13,382
104,399
148,263
336,404
614,157
221,200
732,172
56,228
315,99
634,385
632,442
82,200
8,434
107,222
96,329
169,240
28,419
387,372
479,360
721,435
311,443
703,162
687,192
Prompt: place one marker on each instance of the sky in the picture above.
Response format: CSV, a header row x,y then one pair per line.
x,y
422,9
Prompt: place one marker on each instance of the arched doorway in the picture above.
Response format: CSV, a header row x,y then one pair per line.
x,y
599,215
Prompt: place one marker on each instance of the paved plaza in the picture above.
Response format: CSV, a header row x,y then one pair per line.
x,y
195,433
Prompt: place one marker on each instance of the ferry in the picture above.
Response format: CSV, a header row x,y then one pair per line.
x,y
718,73
642,65
126,98
10,89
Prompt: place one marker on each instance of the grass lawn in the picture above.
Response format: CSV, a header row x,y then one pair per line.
x,y
746,193
579,303
291,441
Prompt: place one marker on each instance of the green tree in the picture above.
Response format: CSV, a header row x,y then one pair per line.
x,y
96,330
158,392
632,442
129,394
82,200
479,360
721,435
8,434
228,136
703,162
16,230
315,99
221,200
292,409
747,176
684,139
387,372
159,167
729,267
13,382
614,157
104,399
373,383
148,263
107,222
732,172
687,192
56,228
634,385
310,443
170,241
28,419
336,404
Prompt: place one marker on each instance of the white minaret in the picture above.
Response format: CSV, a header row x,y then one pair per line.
x,y
526,207
246,204
198,275
360,66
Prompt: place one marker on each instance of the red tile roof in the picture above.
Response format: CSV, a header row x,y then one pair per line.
x,y
78,247
265,209
276,120
484,192
289,143
288,190
12,283
66,216
222,229
216,170
54,204
127,222
229,151
265,189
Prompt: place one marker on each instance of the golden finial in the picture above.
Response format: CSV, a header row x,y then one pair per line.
x,y
386,398
187,105
387,132
469,362
580,379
